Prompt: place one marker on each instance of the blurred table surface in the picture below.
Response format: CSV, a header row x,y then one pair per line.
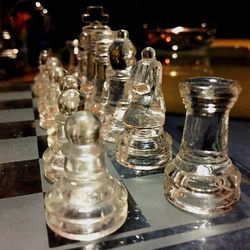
x,y
226,58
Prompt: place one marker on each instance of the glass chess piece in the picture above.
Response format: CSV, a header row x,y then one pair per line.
x,y
50,64
73,66
69,102
202,179
95,18
67,82
144,145
41,78
50,110
101,39
86,203
122,59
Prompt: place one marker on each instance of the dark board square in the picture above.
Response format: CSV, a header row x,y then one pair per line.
x,y
17,129
56,240
15,87
36,113
16,104
135,219
42,145
20,178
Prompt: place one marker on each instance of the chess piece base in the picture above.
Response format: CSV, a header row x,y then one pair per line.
x,y
199,191
75,213
144,149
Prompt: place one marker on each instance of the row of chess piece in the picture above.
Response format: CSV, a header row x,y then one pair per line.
x,y
109,97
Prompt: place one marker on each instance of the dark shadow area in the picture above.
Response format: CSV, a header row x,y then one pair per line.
x,y
33,28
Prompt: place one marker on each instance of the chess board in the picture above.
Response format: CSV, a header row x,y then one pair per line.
x,y
152,222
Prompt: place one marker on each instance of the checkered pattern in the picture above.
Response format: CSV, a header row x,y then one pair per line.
x,y
152,222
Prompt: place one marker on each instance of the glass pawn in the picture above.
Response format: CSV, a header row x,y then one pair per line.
x,y
41,78
122,59
67,82
86,203
144,145
202,179
50,65
47,116
69,102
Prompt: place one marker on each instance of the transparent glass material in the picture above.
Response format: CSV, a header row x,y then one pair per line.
x,y
101,39
67,82
50,109
40,79
94,19
69,102
51,63
143,144
122,59
202,179
86,203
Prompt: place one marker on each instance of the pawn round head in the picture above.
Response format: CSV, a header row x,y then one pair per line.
x,y
148,53
57,74
70,82
71,101
82,128
52,62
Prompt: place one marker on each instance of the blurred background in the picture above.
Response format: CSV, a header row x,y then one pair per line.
x,y
216,42
31,26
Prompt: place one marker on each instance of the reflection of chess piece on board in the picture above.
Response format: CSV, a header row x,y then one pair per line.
x,y
86,203
143,144
202,179
69,102
122,58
